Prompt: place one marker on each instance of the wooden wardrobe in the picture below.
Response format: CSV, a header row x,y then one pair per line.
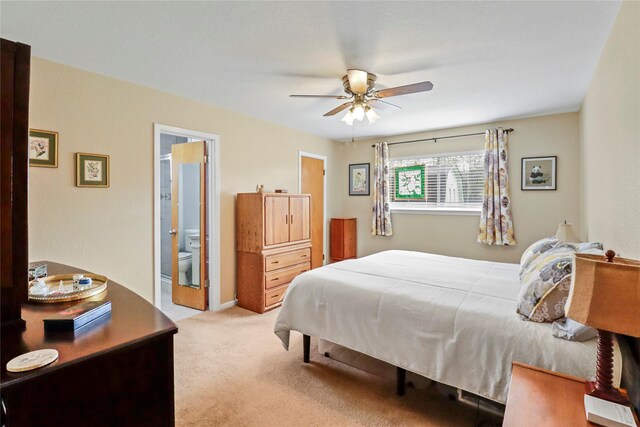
x,y
14,164
273,244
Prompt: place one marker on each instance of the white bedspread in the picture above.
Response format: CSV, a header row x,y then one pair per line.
x,y
452,320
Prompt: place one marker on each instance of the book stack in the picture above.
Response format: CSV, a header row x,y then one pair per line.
x,y
608,414
78,316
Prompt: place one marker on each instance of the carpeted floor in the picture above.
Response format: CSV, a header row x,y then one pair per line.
x,y
230,369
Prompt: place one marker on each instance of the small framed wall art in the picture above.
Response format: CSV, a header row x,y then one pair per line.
x,y
92,170
410,183
359,179
43,148
539,173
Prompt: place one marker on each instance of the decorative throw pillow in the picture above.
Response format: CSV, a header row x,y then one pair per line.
x,y
545,285
535,250
588,247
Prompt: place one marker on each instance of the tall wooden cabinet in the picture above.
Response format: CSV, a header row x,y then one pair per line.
x,y
14,164
343,239
273,244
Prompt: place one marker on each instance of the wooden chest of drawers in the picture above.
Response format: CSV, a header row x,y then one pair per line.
x,y
264,278
273,241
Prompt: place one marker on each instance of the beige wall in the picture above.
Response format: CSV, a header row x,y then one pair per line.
x,y
536,213
610,140
110,231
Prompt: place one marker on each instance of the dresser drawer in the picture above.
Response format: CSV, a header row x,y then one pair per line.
x,y
274,296
286,275
286,259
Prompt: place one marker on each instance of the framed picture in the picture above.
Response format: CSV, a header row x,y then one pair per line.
x,y
43,148
539,173
359,179
92,170
410,182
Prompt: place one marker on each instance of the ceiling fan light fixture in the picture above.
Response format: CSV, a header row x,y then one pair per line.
x,y
358,111
357,81
348,118
372,116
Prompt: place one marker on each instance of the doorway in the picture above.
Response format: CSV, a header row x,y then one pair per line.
x,y
312,180
186,221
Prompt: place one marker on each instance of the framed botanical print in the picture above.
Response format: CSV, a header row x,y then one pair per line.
x,y
539,173
43,148
92,170
410,183
359,179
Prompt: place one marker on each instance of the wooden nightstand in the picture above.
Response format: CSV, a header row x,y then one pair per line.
x,y
538,397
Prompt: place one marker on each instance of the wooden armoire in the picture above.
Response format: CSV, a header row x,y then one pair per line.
x,y
273,244
14,164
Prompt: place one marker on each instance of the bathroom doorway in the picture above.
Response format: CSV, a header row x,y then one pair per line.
x,y
186,222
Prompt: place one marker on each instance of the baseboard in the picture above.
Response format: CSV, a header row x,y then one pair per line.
x,y
226,305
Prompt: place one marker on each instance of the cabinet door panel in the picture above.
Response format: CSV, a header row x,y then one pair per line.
x,y
299,219
276,220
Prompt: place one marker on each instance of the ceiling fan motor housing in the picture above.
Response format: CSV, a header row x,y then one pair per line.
x,y
371,79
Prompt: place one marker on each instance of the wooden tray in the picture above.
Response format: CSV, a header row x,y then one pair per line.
x,y
98,285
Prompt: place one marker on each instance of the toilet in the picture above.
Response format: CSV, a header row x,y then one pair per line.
x,y
184,265
193,241
192,246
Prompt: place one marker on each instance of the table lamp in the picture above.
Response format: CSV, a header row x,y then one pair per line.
x,y
566,234
605,294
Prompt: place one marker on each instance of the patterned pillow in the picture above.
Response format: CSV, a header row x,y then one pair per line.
x,y
545,285
535,250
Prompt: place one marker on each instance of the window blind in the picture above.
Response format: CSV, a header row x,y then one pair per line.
x,y
453,181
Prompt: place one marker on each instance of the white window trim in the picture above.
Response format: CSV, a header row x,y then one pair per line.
x,y
437,211
394,208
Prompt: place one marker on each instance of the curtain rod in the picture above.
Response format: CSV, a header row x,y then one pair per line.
x,y
441,137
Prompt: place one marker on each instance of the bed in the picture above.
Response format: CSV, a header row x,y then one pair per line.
x,y
452,320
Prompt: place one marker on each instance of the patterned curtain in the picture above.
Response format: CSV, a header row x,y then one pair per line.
x,y
496,222
381,221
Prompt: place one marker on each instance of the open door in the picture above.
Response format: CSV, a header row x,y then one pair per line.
x,y
188,225
312,182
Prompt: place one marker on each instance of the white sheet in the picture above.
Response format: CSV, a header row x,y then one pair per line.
x,y
452,320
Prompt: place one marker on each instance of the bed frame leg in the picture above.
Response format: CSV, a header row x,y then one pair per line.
x,y
306,339
401,376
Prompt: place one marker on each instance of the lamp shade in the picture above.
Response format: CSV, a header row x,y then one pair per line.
x,y
566,234
605,295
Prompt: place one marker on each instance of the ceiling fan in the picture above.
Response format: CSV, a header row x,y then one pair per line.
x,y
359,87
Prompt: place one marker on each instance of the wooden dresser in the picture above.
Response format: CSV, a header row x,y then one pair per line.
x,y
117,371
273,244
343,239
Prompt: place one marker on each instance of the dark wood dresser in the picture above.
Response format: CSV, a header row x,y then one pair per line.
x,y
118,372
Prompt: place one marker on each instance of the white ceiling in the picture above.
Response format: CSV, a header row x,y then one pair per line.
x,y
487,60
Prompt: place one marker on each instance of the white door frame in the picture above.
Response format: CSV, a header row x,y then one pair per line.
x,y
302,154
213,217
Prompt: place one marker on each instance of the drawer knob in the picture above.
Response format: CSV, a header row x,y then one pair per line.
x,y
277,278
275,296
274,262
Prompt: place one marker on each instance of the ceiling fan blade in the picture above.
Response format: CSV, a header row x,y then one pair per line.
x,y
357,81
404,90
338,109
320,96
386,102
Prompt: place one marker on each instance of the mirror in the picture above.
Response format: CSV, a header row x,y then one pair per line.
x,y
189,224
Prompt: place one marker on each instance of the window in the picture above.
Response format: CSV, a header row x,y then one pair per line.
x,y
454,183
